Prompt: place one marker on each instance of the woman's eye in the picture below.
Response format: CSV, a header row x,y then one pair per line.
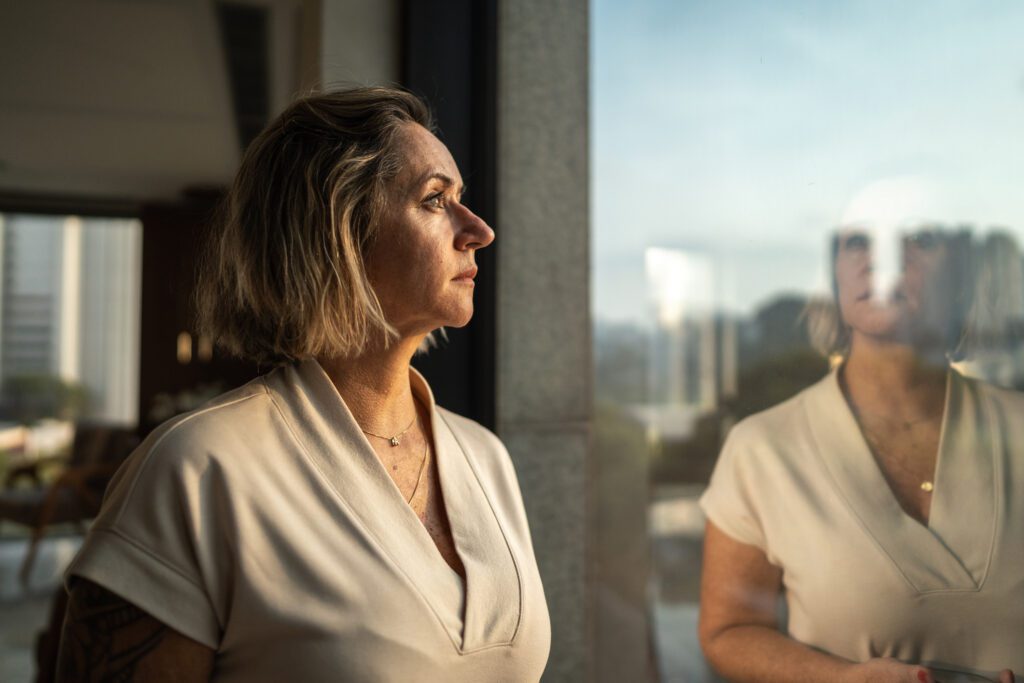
x,y
435,201
857,242
924,239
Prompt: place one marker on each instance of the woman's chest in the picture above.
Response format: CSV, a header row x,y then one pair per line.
x,y
331,604
857,604
864,581
309,565
433,515
419,484
906,458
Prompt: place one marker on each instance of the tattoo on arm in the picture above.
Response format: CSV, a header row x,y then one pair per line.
x,y
104,636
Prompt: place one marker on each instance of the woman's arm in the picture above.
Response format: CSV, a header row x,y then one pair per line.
x,y
739,630
107,638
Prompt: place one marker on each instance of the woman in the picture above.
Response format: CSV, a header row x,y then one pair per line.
x,y
325,522
886,502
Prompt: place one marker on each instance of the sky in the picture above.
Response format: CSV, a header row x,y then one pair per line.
x,y
742,131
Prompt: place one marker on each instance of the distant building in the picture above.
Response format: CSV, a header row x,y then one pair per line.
x,y
69,307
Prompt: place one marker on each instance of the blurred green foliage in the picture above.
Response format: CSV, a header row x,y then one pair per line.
x,y
28,398
766,383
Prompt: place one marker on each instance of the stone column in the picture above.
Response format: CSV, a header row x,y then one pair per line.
x,y
543,324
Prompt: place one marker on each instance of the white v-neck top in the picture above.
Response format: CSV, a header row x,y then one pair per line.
x,y
263,525
863,579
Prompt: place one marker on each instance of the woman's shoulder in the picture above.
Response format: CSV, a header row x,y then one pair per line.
x,y
190,457
1012,399
787,419
211,434
763,454
1004,406
222,419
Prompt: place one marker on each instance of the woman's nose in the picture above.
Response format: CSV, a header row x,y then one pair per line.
x,y
473,232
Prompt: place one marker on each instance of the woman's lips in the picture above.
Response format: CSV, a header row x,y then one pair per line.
x,y
898,295
466,276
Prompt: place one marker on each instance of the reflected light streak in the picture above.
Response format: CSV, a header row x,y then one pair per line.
x,y
679,282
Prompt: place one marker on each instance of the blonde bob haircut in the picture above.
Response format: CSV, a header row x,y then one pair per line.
x,y
284,277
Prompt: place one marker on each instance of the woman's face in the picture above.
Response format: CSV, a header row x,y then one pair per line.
x,y
918,307
423,262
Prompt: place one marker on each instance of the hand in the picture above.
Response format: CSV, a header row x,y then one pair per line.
x,y
1004,676
893,671
887,671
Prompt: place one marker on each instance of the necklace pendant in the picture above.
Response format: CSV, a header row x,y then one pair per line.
x,y
927,486
394,441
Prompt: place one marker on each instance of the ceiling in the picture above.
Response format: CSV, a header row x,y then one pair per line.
x,y
113,98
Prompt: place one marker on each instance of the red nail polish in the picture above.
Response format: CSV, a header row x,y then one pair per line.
x,y
922,675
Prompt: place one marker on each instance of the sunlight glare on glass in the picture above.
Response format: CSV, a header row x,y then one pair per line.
x,y
886,210
680,283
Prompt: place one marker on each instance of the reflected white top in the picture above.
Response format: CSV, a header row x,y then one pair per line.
x,y
264,525
862,578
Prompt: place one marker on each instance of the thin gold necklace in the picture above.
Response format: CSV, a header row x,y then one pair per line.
x,y
419,476
397,438
926,485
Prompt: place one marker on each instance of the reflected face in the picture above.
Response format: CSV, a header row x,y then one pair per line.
x,y
423,261
918,308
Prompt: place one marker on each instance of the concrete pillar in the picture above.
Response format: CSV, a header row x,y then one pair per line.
x,y
543,325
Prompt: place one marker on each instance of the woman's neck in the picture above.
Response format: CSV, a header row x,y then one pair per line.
x,y
883,378
375,385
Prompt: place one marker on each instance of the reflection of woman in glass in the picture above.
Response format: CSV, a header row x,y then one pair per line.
x,y
885,502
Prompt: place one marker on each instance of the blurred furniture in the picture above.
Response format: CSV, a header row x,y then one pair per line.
x,y
76,493
31,450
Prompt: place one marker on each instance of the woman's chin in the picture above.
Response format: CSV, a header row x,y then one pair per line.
x,y
460,321
451,319
458,316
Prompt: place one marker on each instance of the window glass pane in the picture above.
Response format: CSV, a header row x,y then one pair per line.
x,y
69,324
783,193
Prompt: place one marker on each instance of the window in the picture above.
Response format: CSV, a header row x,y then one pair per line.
x,y
69,318
733,146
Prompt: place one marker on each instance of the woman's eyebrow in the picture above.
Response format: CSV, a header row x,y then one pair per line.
x,y
435,175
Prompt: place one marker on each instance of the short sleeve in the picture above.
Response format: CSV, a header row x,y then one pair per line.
x,y
729,501
152,543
